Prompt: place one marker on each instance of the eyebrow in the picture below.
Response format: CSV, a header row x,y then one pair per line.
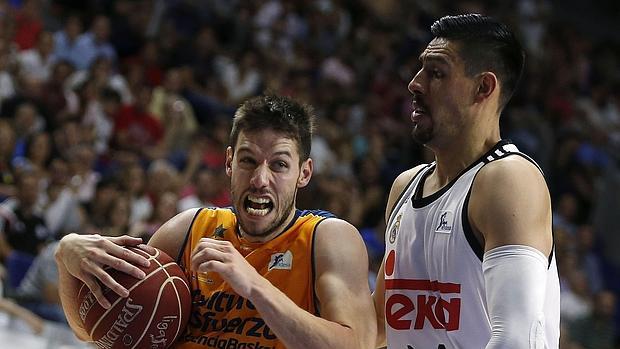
x,y
242,149
436,58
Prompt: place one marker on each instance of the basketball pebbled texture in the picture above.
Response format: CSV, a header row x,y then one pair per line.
x,y
153,315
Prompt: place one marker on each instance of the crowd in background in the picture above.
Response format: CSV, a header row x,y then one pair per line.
x,y
114,116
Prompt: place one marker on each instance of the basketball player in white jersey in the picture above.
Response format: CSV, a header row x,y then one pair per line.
x,y
469,257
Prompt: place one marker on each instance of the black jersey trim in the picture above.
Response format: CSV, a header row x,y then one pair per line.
x,y
475,245
399,201
187,235
421,202
315,299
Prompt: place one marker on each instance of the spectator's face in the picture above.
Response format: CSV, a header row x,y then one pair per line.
x,y
264,174
101,28
28,190
442,94
7,139
135,180
40,148
207,184
167,206
73,27
45,43
25,117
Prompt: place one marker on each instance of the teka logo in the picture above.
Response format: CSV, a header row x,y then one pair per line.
x,y
411,310
445,222
281,261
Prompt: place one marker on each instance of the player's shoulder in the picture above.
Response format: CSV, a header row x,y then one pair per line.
x,y
400,183
509,168
509,178
403,179
171,235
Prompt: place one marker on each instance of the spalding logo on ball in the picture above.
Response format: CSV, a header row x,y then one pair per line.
x,y
153,315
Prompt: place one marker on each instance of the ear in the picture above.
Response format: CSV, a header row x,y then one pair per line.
x,y
487,85
229,159
305,174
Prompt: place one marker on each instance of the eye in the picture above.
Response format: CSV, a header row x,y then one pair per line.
x,y
279,165
436,73
247,161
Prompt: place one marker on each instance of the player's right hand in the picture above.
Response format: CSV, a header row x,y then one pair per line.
x,y
85,257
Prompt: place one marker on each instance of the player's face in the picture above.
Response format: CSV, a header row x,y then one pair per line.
x,y
264,176
440,94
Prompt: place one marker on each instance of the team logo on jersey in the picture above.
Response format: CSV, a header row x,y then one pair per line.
x,y
218,233
395,228
444,225
281,261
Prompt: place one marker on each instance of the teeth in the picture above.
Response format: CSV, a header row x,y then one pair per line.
x,y
256,212
258,200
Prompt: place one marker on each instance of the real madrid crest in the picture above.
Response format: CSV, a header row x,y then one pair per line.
x,y
395,228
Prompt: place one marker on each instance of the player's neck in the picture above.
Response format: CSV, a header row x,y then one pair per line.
x,y
452,159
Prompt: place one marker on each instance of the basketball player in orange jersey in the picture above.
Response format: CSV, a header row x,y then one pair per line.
x,y
469,257
263,273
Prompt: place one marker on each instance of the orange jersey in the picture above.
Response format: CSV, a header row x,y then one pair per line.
x,y
220,317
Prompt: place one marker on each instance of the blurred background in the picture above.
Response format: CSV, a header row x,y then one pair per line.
x,y
114,116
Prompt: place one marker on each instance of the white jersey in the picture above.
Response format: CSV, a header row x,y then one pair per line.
x,y
434,285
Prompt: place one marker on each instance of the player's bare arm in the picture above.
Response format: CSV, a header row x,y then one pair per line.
x,y
341,288
511,212
399,185
511,205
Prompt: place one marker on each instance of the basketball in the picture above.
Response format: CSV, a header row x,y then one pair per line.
x,y
153,315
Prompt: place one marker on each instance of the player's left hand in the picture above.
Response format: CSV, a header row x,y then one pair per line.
x,y
222,257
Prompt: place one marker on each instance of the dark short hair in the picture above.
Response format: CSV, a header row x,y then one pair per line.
x,y
485,44
278,113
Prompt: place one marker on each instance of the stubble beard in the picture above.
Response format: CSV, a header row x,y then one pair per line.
x,y
278,223
422,135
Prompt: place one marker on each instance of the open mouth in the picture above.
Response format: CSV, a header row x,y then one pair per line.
x,y
257,206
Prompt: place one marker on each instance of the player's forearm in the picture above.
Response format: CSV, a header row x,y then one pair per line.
x,y
298,328
68,287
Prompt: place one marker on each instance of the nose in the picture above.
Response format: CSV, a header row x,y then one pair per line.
x,y
415,85
260,177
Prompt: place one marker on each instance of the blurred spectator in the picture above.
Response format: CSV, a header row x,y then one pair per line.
x,y
38,291
7,80
27,122
28,24
165,208
66,40
36,63
597,331
133,184
23,232
106,192
60,101
99,114
138,131
208,189
101,74
7,145
174,113
117,217
60,201
13,309
94,44
241,79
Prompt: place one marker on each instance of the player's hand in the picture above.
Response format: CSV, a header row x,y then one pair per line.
x,y
86,256
222,257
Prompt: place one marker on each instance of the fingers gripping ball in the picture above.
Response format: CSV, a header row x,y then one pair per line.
x,y
153,315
